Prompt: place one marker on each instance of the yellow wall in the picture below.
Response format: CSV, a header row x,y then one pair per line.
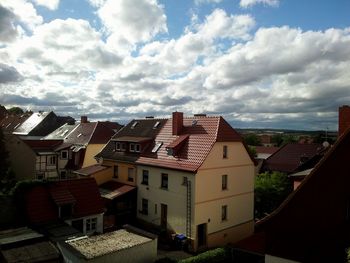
x,y
103,176
123,171
91,151
174,197
239,195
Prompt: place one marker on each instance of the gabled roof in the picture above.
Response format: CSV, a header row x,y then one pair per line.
x,y
90,133
92,169
10,122
197,139
61,132
32,122
42,201
290,156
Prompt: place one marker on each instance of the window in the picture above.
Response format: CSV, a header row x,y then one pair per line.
x,y
134,125
122,147
115,171
117,146
184,180
224,152
40,176
130,174
155,209
164,183
135,147
224,213
144,206
63,174
156,147
51,160
144,177
224,182
65,211
91,224
156,124
64,154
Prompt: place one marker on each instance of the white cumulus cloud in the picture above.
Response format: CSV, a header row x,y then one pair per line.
x,y
50,4
249,3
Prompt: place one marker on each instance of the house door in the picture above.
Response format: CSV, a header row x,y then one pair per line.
x,y
163,216
202,235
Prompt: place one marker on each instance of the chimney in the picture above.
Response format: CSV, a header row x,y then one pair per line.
x,y
177,122
344,119
83,119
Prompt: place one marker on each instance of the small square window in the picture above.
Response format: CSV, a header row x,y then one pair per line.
x,y
51,160
123,147
137,148
64,154
184,180
224,213
118,146
132,147
224,152
144,177
224,182
164,183
91,224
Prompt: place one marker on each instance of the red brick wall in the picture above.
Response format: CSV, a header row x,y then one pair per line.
x,y
344,119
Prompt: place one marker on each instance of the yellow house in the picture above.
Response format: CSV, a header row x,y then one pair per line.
x,y
199,182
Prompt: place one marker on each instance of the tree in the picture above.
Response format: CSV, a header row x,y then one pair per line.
x,y
15,111
270,191
6,173
252,139
277,139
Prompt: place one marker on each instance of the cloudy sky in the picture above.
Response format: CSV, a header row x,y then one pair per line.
x,y
258,63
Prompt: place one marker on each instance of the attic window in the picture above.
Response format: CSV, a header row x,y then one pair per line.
x,y
156,124
194,122
134,125
64,132
80,134
157,146
17,126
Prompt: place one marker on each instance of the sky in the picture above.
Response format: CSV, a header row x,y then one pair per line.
x,y
257,63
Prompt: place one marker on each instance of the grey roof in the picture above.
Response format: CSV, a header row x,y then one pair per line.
x,y
33,121
11,236
62,132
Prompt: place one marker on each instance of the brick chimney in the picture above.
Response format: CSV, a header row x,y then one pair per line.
x,y
83,119
344,119
177,122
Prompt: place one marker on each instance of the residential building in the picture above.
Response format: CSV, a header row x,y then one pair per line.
x,y
75,202
11,122
193,176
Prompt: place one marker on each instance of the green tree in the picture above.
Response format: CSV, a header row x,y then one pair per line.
x,y
277,139
271,189
252,139
15,111
252,151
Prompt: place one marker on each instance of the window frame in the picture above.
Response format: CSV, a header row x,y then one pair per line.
x,y
131,176
164,184
224,213
64,152
50,160
91,224
115,171
225,152
145,174
144,206
224,181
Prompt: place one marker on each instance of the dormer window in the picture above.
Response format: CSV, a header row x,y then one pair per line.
x,y
120,146
134,125
80,134
135,147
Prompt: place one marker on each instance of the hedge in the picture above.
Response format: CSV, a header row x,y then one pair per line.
x,y
218,255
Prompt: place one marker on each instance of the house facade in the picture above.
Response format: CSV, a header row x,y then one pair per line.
x,y
200,182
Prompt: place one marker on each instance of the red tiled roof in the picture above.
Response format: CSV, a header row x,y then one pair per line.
x,y
92,169
194,150
43,144
40,200
288,158
264,149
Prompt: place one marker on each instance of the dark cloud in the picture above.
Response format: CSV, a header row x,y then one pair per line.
x,y
50,100
9,74
8,31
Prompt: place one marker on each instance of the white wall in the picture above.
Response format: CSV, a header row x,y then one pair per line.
x,y
99,226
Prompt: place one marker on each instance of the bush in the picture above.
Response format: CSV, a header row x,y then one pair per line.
x,y
165,260
218,255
